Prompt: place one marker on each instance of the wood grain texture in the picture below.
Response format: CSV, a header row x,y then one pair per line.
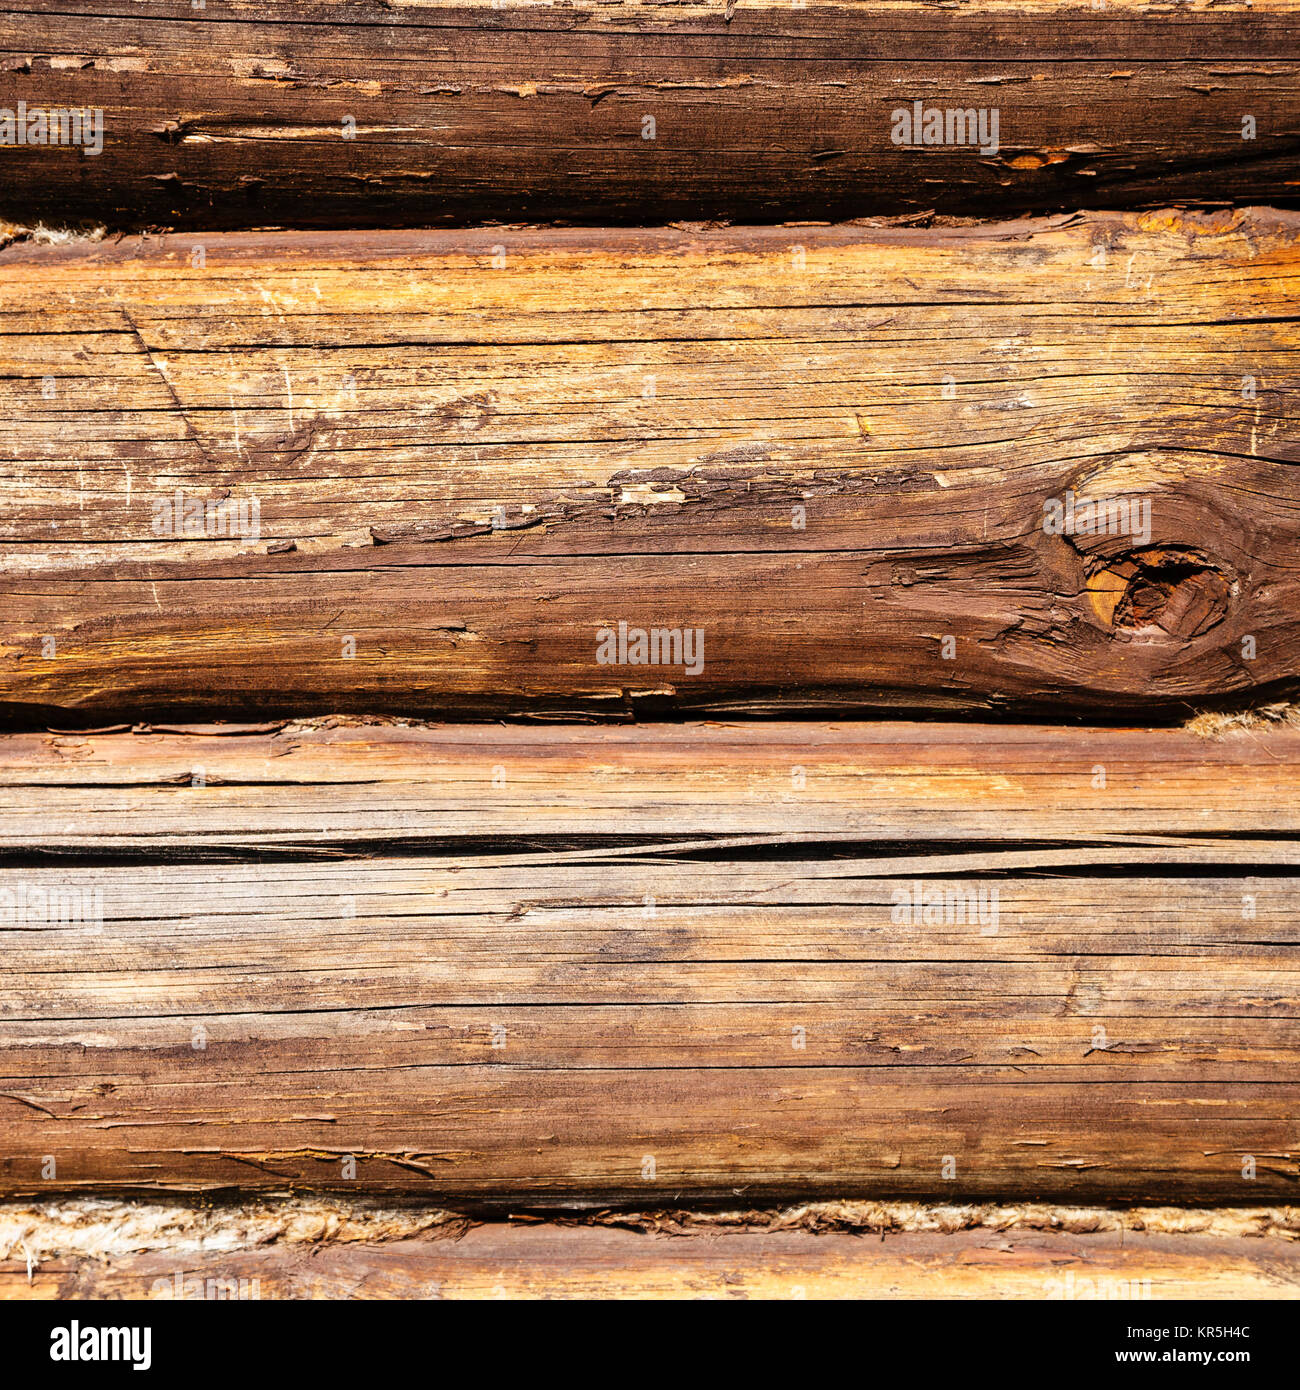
x,y
832,458
553,1262
335,785
622,998
235,116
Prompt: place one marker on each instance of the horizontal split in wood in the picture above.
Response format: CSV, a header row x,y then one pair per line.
x,y
465,470
257,113
1112,1016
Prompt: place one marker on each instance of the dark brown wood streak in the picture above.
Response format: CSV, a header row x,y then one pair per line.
x,y
387,113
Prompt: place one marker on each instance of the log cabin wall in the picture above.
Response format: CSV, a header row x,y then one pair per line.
x,y
639,640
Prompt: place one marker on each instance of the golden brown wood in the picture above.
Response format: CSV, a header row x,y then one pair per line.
x,y
831,452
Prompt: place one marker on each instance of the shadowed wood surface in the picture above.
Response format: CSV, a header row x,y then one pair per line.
x,y
623,996
827,463
247,113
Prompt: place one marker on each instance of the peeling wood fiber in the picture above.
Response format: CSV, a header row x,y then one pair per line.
x,y
106,1228
384,113
505,964
829,451
237,1258
322,1246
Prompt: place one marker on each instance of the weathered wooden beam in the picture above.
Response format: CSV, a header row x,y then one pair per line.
x,y
622,997
333,1249
326,113
1042,465
1103,795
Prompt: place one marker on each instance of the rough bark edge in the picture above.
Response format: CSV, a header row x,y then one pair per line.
x,y
11,233
1218,723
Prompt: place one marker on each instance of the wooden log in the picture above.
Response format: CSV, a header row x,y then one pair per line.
x,y
317,1249
1103,795
333,112
559,1262
622,998
1036,465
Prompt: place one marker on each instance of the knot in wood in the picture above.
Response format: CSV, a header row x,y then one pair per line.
x,y
1159,591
